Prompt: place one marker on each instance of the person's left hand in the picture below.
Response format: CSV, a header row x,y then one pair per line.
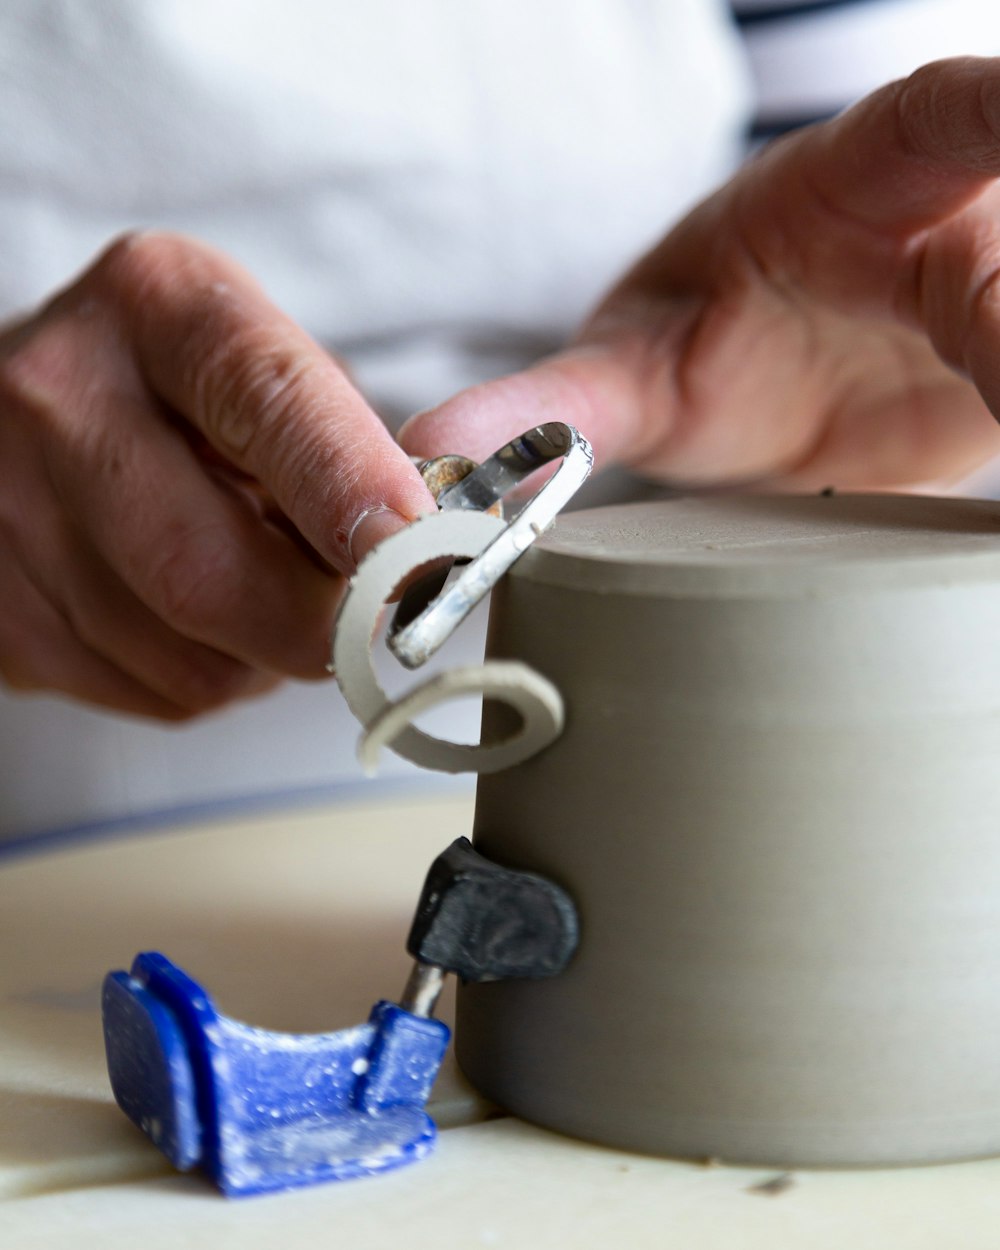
x,y
830,317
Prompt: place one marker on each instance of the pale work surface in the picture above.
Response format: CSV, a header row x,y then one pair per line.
x,y
298,923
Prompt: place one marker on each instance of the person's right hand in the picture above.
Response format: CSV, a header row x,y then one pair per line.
x,y
186,478
830,317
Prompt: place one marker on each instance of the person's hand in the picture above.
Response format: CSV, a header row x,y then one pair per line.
x,y
186,476
831,317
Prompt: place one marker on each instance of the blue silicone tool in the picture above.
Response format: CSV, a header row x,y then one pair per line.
x,y
260,1110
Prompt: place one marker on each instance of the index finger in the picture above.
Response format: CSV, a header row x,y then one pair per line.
x,y
914,152
837,210
264,393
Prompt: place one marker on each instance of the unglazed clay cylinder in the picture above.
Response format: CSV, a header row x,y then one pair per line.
x,y
776,803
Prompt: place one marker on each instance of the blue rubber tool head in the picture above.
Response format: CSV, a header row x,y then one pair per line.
x,y
260,1110
149,1068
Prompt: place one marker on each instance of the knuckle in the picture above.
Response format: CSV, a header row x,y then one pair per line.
x,y
247,391
34,372
208,682
135,260
57,373
206,685
194,683
31,638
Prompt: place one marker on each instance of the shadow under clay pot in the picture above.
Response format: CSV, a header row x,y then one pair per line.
x,y
776,804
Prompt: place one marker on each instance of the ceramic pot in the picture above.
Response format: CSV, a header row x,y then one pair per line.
x,y
777,805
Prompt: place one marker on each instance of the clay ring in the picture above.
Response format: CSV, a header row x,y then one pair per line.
x,y
538,703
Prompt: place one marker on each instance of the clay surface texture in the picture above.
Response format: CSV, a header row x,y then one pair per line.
x,y
776,804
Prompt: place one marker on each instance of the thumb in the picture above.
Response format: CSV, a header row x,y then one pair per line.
x,y
596,387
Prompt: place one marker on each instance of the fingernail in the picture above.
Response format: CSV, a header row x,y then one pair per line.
x,y
371,527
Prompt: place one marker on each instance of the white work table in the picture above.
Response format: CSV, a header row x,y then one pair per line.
x,y
297,921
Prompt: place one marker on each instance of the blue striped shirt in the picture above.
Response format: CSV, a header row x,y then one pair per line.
x,y
811,58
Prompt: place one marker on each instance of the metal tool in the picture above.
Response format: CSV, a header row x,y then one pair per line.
x,y
261,1110
429,611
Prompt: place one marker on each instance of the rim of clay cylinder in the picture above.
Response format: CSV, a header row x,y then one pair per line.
x,y
769,545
